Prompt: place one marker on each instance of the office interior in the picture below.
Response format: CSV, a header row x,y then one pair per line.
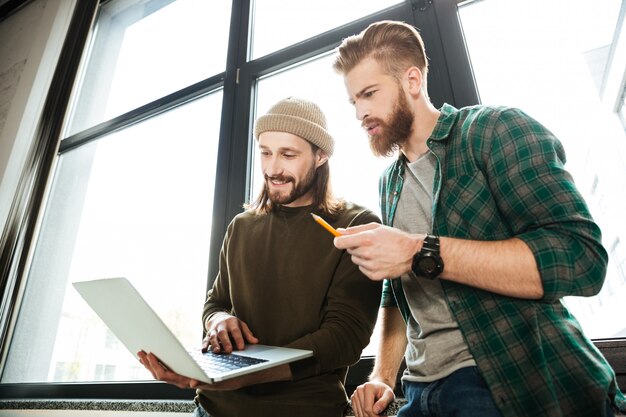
x,y
126,148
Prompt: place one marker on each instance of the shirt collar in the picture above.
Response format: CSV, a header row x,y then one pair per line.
x,y
445,122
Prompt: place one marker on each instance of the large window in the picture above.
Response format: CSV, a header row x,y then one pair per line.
x,y
132,193
144,50
134,203
553,59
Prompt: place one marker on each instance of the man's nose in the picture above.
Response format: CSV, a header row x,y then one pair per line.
x,y
273,167
361,111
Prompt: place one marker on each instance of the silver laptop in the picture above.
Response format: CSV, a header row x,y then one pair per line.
x,y
138,327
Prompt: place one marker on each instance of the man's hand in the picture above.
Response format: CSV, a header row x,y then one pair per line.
x,y
161,372
380,251
371,399
224,331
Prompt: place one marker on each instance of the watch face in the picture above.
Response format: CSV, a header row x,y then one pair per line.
x,y
428,265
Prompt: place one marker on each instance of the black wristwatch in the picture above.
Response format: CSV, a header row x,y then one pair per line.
x,y
427,263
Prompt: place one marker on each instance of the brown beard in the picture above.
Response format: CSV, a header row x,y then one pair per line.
x,y
298,191
396,132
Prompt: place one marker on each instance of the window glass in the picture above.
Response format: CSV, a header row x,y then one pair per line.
x,y
136,203
622,108
552,59
145,49
279,23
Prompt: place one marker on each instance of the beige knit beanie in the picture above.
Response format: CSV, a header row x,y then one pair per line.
x,y
299,117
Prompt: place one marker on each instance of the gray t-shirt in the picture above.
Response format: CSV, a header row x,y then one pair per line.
x,y
436,346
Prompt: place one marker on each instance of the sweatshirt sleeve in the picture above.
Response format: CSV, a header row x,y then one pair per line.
x,y
218,297
349,318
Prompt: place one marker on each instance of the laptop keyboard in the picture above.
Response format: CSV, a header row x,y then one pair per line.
x,y
221,362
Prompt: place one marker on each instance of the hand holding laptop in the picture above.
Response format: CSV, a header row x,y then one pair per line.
x,y
161,372
225,333
142,331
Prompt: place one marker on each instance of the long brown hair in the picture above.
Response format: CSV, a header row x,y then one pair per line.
x,y
396,46
324,201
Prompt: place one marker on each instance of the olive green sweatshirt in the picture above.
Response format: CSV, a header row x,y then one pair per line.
x,y
281,274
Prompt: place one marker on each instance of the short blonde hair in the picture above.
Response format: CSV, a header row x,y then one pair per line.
x,y
396,46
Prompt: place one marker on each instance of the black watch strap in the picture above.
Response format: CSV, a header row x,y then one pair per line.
x,y
431,243
427,263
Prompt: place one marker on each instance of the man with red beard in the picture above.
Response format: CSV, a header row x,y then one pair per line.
x,y
282,282
484,234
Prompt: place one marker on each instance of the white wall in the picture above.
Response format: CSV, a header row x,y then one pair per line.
x,y
31,43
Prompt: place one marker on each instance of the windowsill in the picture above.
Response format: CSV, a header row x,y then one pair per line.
x,y
160,406
171,406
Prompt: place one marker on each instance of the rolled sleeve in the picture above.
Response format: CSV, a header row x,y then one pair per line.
x,y
525,166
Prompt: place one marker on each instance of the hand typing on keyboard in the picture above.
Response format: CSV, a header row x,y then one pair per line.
x,y
226,333
221,362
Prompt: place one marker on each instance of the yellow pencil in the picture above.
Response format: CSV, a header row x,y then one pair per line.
x,y
325,225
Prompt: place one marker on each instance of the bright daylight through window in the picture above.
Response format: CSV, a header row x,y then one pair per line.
x,y
551,59
135,202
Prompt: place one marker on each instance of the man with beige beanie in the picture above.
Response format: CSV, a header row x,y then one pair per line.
x,y
282,282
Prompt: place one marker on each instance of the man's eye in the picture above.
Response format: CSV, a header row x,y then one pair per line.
x,y
369,93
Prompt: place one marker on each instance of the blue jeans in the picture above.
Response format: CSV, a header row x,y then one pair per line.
x,y
200,412
463,393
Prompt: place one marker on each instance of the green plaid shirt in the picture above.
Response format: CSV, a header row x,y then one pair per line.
x,y
500,175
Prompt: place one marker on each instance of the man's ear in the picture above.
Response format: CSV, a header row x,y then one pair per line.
x,y
414,79
320,158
